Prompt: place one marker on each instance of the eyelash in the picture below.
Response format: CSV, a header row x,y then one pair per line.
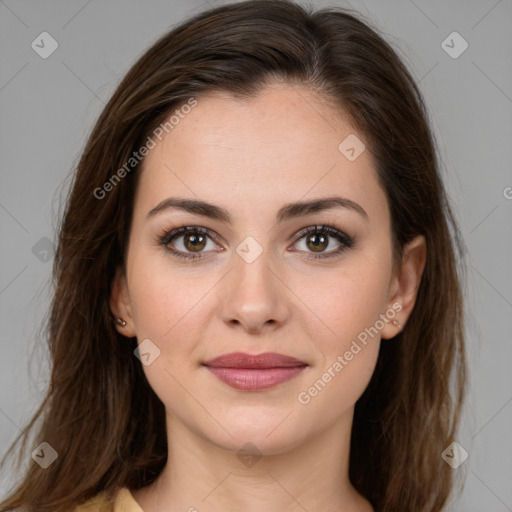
x,y
346,241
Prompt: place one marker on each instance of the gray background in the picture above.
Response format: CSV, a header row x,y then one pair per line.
x,y
48,107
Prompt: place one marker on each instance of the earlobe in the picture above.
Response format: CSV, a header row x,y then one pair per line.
x,y
405,285
120,305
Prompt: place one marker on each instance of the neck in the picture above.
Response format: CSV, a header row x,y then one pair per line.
x,y
308,474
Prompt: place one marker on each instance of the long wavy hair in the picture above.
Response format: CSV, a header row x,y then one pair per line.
x,y
97,393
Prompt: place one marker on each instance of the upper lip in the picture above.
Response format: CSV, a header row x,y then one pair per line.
x,y
242,360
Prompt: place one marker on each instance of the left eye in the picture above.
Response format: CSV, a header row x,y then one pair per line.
x,y
317,240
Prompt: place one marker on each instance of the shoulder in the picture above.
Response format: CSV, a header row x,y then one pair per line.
x,y
123,501
99,503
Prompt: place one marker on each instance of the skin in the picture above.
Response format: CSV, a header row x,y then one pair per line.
x,y
251,157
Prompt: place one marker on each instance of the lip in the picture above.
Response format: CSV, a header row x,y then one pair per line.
x,y
251,361
254,372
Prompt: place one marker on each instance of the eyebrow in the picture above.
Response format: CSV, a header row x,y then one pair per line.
x,y
288,211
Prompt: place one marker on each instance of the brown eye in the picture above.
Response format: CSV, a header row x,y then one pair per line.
x,y
190,242
194,241
317,242
323,242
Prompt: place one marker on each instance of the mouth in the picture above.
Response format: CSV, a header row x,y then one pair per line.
x,y
254,372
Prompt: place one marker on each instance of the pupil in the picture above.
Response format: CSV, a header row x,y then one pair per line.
x,y
317,240
195,241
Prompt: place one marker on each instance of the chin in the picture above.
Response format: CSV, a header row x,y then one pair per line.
x,y
271,438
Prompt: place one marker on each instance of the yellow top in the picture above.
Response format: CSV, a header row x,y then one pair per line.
x,y
124,502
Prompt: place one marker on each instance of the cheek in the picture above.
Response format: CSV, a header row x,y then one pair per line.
x,y
165,297
349,304
346,301
347,355
169,307
166,309
356,302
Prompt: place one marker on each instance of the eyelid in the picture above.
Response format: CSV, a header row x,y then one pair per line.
x,y
331,229
346,241
173,233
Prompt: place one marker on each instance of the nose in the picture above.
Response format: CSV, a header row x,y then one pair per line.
x,y
254,296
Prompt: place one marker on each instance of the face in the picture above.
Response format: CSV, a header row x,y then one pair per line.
x,y
262,281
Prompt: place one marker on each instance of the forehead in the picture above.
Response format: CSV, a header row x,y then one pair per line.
x,y
275,147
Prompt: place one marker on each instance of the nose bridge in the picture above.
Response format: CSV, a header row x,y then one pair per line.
x,y
254,295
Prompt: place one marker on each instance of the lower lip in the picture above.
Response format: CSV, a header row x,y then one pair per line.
x,y
255,379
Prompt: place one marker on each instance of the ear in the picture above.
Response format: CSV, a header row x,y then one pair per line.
x,y
404,285
120,304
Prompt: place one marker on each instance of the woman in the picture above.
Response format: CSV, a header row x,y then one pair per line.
x,y
257,301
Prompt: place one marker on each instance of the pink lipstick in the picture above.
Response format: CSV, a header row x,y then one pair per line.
x,y
254,372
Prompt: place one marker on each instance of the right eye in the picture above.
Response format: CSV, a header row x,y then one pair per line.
x,y
187,242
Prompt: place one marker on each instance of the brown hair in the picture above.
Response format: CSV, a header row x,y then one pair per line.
x,y
410,410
